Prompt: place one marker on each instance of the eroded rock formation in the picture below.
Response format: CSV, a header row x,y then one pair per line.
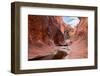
x,y
44,33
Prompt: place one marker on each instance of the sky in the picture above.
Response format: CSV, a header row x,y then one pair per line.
x,y
73,21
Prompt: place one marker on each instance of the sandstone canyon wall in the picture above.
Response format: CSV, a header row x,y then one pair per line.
x,y
44,32
79,48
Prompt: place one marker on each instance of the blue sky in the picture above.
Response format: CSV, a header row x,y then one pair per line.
x,y
73,21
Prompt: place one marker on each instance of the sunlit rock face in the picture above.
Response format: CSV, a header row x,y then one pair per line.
x,y
82,28
44,32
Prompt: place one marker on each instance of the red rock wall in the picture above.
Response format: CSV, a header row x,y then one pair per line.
x,y
82,28
44,31
45,27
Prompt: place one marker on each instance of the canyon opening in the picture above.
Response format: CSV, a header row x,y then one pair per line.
x,y
57,37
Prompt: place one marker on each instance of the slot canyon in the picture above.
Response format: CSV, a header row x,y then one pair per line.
x,y
49,37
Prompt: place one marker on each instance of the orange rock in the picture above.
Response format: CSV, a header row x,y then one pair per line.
x,y
44,32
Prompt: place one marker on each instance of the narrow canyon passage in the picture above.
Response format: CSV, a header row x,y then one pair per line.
x,y
49,37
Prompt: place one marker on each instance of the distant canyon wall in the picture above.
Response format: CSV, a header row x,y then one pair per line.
x,y
82,28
